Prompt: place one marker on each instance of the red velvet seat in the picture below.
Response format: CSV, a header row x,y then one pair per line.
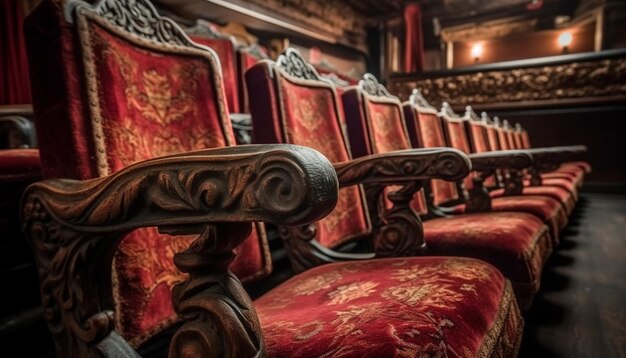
x,y
516,243
508,139
146,90
483,137
547,208
560,187
301,101
376,310
569,171
159,100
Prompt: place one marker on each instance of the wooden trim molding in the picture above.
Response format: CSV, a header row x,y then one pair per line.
x,y
583,79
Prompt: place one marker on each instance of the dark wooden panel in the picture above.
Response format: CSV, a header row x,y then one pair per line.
x,y
601,129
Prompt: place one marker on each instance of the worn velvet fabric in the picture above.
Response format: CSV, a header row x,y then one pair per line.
x,y
409,307
387,133
14,81
518,244
560,194
458,139
19,164
425,131
289,110
148,103
549,210
558,184
225,50
582,165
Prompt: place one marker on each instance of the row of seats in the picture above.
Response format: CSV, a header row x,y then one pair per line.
x,y
120,110
517,234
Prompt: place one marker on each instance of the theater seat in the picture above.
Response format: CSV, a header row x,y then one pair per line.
x,y
373,309
517,243
483,136
551,211
128,108
303,96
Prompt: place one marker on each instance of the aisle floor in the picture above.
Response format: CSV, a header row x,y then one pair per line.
x,y
581,308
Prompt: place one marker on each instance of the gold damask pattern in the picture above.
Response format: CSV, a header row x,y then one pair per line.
x,y
347,293
585,79
157,101
311,121
394,307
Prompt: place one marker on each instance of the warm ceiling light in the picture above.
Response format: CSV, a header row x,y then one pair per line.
x,y
565,39
477,51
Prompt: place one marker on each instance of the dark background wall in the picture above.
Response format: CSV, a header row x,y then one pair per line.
x,y
560,100
600,128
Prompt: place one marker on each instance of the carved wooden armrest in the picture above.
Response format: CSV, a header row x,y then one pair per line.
x,y
75,226
398,230
549,159
502,159
513,161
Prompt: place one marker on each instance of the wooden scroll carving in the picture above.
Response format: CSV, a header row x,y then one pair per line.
x,y
75,226
401,232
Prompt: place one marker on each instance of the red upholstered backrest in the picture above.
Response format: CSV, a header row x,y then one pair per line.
x,y
287,108
106,98
510,135
225,50
376,124
492,136
425,130
247,56
479,140
525,139
503,137
478,133
457,137
518,138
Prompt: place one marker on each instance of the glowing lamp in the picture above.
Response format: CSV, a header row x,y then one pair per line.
x,y
564,40
477,51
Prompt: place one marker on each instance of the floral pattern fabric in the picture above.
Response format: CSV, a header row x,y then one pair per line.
x,y
153,105
311,120
549,210
411,307
518,244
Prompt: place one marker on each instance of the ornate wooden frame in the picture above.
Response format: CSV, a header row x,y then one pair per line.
x,y
397,232
75,226
137,22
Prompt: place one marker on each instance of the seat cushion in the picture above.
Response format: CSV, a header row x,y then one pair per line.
x,y
582,165
555,192
417,307
516,243
19,164
566,184
576,177
549,210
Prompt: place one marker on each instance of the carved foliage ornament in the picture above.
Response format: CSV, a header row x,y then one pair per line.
x,y
371,86
141,18
569,81
293,64
404,166
75,226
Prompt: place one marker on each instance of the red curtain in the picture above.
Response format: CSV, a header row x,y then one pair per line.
x,y
414,45
14,82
